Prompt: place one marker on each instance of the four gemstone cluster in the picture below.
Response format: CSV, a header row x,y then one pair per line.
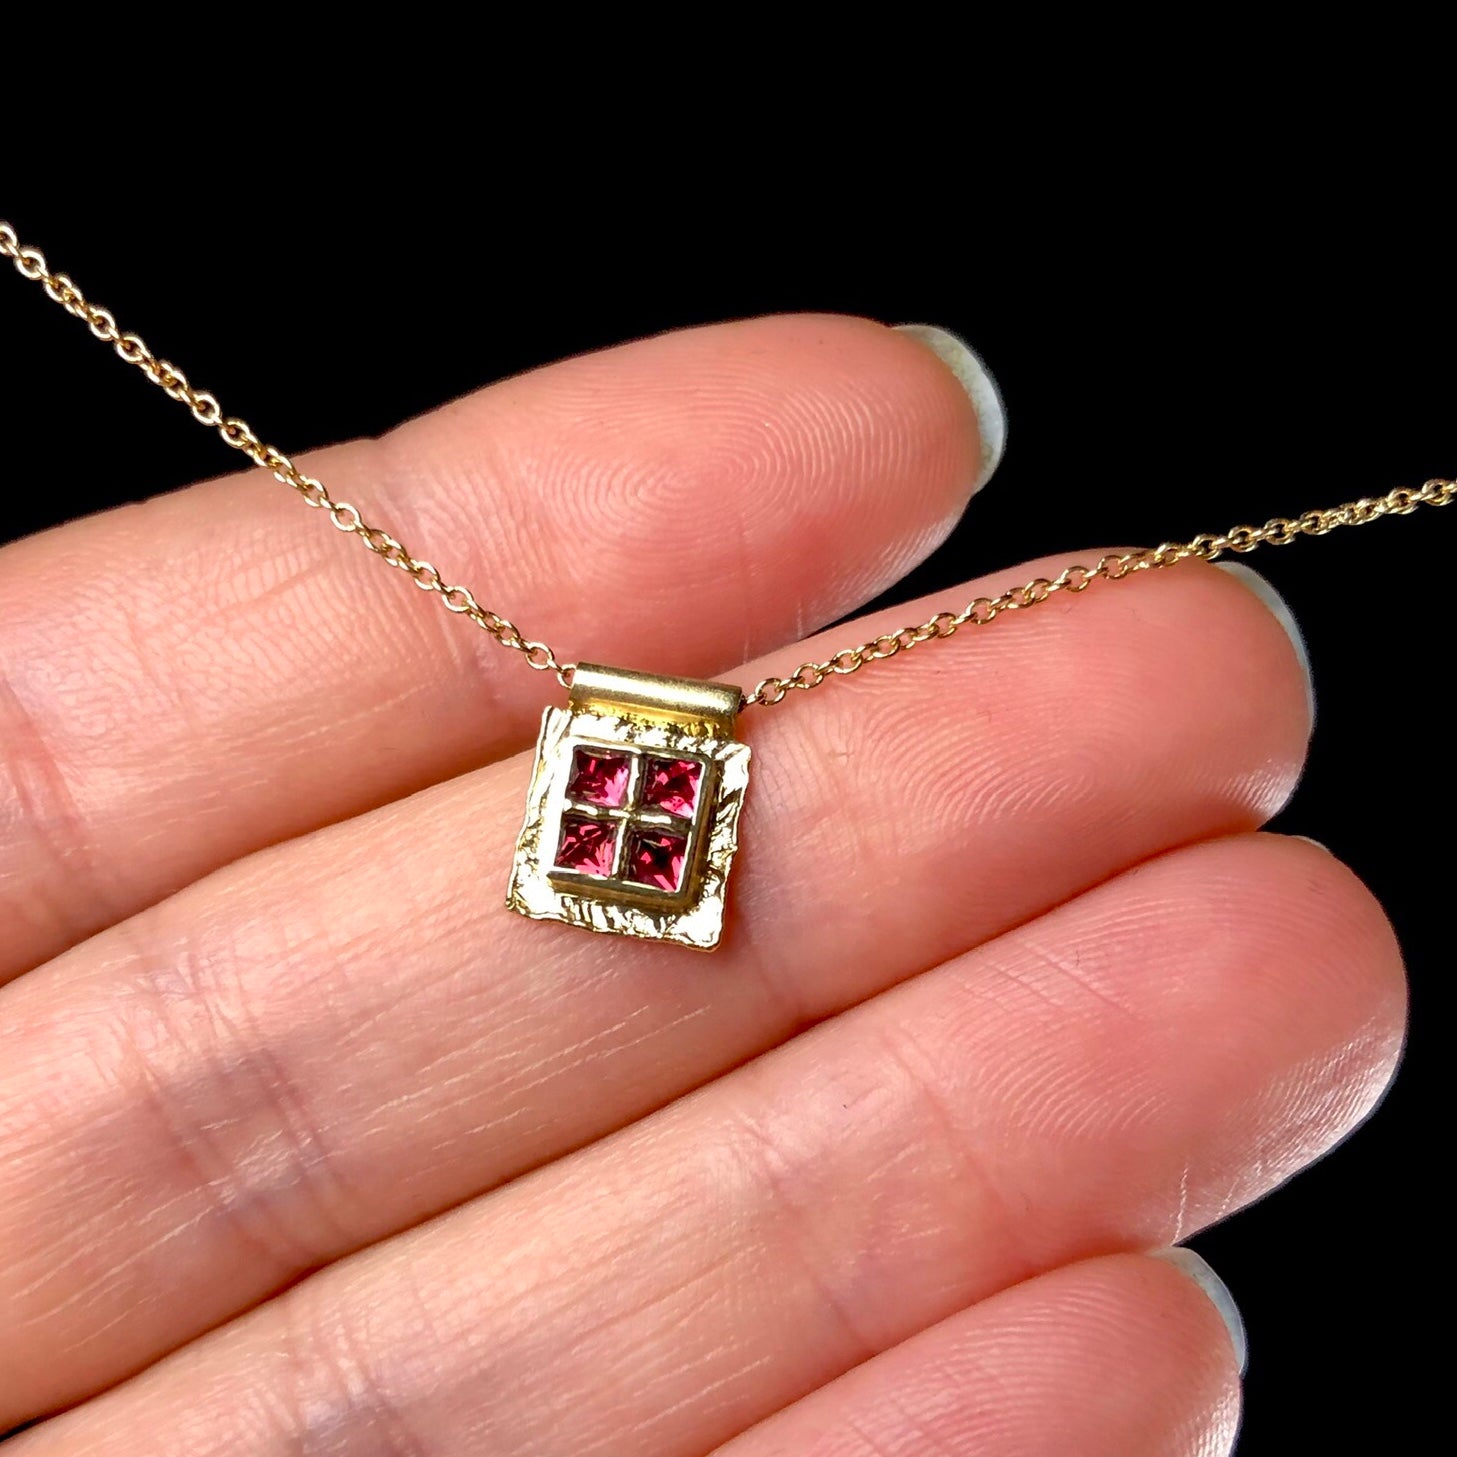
x,y
629,817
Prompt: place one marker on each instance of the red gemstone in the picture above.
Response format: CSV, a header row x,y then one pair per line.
x,y
586,845
598,778
656,859
671,784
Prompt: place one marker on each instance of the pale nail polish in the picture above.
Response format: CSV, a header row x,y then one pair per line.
x,y
1280,610
980,386
1201,1272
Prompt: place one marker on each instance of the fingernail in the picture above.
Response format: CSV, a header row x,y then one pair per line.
x,y
980,385
1309,841
1201,1272
1280,609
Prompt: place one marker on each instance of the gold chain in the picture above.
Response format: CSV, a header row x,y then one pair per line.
x,y
239,434
1279,531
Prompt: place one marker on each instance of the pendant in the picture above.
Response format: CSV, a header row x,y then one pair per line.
x,y
632,817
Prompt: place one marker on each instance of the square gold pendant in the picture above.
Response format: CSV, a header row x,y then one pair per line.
x,y
633,812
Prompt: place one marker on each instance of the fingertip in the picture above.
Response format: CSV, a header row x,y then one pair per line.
x,y
1269,595
980,386
1191,1264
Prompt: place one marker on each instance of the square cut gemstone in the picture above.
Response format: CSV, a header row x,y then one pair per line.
x,y
656,859
586,845
672,785
599,778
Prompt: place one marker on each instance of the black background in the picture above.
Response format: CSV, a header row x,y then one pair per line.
x,y
1171,364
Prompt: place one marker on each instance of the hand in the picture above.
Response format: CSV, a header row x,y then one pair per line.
x,y
1012,992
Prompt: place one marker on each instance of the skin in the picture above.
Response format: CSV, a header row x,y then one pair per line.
x,y
311,1147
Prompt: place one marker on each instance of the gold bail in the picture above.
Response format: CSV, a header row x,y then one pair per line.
x,y
679,700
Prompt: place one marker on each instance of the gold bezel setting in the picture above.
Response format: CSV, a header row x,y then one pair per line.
x,y
631,816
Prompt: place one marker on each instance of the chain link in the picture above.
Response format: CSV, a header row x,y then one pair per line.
x,y
1279,531
31,264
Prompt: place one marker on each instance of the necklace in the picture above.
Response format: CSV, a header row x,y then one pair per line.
x,y
633,807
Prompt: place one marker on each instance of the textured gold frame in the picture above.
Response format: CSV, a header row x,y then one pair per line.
x,y
637,713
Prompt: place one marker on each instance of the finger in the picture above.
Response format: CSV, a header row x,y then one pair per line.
x,y
185,681
203,1140
1117,1357
1139,1062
